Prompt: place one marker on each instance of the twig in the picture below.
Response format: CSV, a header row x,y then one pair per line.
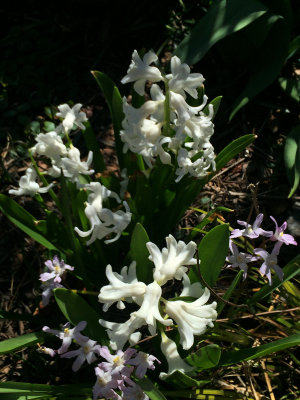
x,y
268,382
229,167
260,314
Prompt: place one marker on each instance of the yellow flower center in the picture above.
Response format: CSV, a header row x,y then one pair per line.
x,y
118,360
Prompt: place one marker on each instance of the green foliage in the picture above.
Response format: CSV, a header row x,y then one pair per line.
x,y
25,221
19,342
206,357
260,30
292,158
139,253
234,357
212,251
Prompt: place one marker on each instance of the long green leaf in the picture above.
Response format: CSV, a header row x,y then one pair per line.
x,y
38,389
222,19
212,250
76,309
19,342
25,221
234,357
289,271
272,54
233,149
140,254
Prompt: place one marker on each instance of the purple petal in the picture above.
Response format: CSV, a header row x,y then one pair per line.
x,y
78,362
258,221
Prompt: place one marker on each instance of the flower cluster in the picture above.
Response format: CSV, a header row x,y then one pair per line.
x,y
191,318
112,374
167,123
103,221
66,160
270,262
52,279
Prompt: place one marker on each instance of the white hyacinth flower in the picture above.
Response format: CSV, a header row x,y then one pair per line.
x,y
99,193
121,287
105,222
171,261
140,71
28,185
181,80
175,362
71,116
73,166
120,333
198,168
149,310
49,144
192,318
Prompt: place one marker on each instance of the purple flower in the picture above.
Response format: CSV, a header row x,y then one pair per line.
x,y
143,361
86,352
116,363
105,384
280,236
47,290
251,231
67,335
57,268
238,259
270,261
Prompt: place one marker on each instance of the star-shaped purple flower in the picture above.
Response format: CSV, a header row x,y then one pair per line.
x,y
280,236
251,231
270,262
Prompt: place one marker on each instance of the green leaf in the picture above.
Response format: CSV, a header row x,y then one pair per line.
x,y
19,342
76,309
291,87
25,221
221,20
93,145
294,46
233,149
289,271
212,251
291,157
180,380
234,357
140,254
206,357
37,390
114,102
271,55
151,390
